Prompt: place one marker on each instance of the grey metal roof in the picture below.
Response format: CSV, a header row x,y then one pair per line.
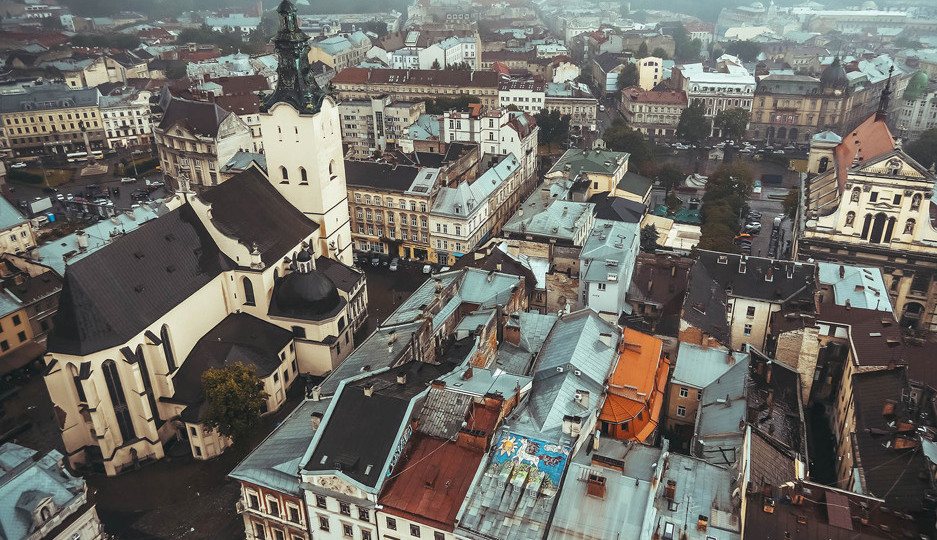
x,y
8,304
701,489
534,328
621,513
697,367
861,287
722,413
275,462
10,216
26,479
590,161
443,412
413,306
561,219
611,248
376,352
48,97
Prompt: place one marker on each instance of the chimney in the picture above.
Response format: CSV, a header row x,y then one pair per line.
x,y
316,418
512,334
848,304
316,394
671,490
368,390
467,374
595,486
595,440
606,339
401,378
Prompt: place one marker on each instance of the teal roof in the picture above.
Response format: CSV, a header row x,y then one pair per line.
x,y
917,87
594,161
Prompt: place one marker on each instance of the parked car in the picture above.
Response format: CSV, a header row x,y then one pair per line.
x,y
427,269
753,228
127,180
18,165
394,264
139,195
375,261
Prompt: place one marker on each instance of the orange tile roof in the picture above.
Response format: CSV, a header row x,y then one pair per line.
x,y
637,383
871,139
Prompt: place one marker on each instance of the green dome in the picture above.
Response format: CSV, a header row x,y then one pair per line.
x,y
917,87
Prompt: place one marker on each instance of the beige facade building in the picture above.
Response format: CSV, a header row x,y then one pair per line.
x,y
52,119
867,203
370,125
195,139
573,99
653,113
126,118
650,71
407,85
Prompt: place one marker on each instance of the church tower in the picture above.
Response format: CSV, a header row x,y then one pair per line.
x,y
303,141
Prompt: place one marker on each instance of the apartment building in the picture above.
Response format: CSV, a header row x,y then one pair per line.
x,y
573,99
52,119
370,125
408,85
728,86
527,95
127,119
650,71
341,51
654,113
195,139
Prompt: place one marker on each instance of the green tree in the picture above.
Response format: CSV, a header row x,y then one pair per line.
x,y
435,65
375,26
235,399
642,51
673,202
791,203
670,177
693,126
683,46
659,52
649,236
621,138
553,126
747,51
732,123
628,76
725,200
924,149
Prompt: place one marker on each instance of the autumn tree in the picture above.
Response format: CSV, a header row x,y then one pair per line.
x,y
235,399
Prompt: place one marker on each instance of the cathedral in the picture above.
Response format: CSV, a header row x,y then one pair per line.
x,y
867,203
255,270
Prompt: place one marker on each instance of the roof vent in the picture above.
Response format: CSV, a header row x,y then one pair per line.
x,y
368,390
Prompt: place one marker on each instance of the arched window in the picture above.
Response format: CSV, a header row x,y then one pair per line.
x,y
909,227
147,385
782,133
167,349
302,175
792,134
45,514
916,201
850,219
331,169
866,225
824,164
119,401
284,173
248,291
856,193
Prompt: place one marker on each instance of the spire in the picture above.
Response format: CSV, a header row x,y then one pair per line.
x,y
882,113
296,84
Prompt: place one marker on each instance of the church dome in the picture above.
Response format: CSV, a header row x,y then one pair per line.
x,y
834,76
917,87
305,294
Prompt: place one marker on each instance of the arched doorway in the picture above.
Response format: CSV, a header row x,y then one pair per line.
x,y
792,134
782,133
878,228
911,315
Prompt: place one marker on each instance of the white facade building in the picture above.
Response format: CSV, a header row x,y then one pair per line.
x,y
606,264
527,96
498,131
126,119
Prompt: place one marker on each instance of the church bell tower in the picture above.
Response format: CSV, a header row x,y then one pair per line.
x,y
302,139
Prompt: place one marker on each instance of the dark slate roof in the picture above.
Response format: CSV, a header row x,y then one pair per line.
x,y
249,208
343,276
608,61
239,337
617,208
200,117
891,473
635,183
379,175
661,280
361,431
714,273
120,289
875,335
497,260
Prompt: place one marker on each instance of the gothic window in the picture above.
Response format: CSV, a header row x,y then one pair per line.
x,y
167,349
856,193
824,164
284,173
118,400
73,371
147,384
248,291
302,175
850,219
909,227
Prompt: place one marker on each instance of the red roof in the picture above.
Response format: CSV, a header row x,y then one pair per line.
x,y
657,97
871,139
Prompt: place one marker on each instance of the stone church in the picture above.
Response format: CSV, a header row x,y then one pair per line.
x,y
254,270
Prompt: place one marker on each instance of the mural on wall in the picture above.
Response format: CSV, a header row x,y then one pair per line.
x,y
529,459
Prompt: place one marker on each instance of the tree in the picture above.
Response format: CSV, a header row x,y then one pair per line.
x,y
621,138
235,400
435,65
642,51
51,23
683,46
747,51
375,26
628,76
649,236
791,203
673,202
670,177
732,123
660,53
693,126
924,149
553,126
443,104
725,200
